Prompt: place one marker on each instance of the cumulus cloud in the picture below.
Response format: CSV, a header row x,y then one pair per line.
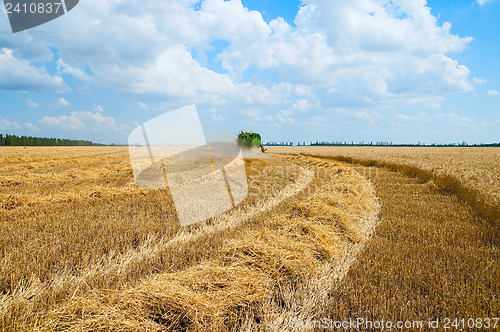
x,y
30,126
61,102
98,108
368,50
482,2
479,81
493,93
215,116
361,49
416,118
6,124
31,103
455,120
359,53
367,116
81,121
18,74
64,122
64,68
174,73
302,105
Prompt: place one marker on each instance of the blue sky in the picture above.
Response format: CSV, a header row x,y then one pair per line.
x,y
404,71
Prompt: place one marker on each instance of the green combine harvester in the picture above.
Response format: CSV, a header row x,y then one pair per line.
x,y
249,139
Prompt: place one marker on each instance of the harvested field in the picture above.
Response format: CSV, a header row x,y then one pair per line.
x,y
478,168
431,258
323,233
83,248
472,174
435,254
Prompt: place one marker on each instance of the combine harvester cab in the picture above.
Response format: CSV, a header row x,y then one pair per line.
x,y
250,139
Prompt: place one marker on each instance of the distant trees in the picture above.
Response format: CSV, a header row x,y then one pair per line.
x,y
14,140
463,144
333,143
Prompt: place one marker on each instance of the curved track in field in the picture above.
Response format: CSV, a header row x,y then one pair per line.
x,y
282,259
431,257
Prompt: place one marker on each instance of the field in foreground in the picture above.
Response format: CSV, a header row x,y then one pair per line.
x,y
435,253
83,248
477,168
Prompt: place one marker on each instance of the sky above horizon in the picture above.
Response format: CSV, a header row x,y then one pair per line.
x,y
403,71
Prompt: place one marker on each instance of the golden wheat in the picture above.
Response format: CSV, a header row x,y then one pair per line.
x,y
435,252
85,249
476,167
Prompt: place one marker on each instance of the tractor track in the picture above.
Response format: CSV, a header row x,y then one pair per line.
x,y
432,256
310,232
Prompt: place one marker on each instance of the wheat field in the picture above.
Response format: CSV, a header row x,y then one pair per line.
x,y
435,252
83,248
477,167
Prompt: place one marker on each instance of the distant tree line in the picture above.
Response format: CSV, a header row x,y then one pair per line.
x,y
375,144
279,144
13,140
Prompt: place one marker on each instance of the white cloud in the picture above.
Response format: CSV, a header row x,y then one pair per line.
x,y
18,74
64,122
31,103
26,46
426,76
8,125
61,102
370,50
143,106
64,68
493,93
254,116
82,121
215,116
98,108
175,74
302,105
30,126
367,51
382,26
416,118
434,105
479,81
339,53
281,118
482,2
367,116
455,120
